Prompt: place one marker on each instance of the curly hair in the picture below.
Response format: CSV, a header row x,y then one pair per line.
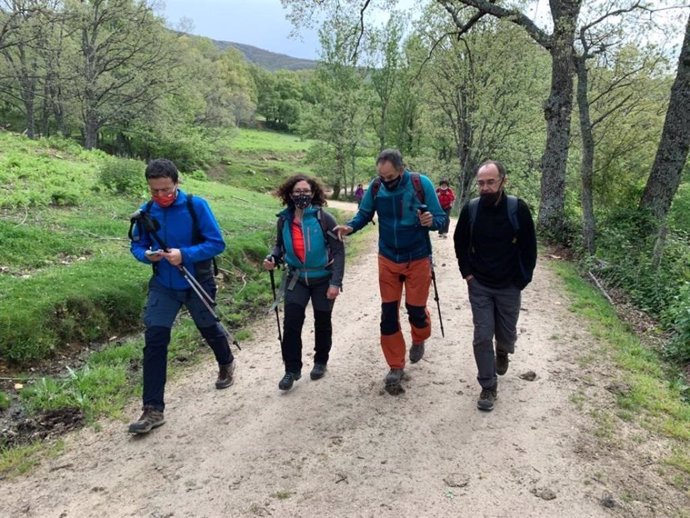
x,y
285,189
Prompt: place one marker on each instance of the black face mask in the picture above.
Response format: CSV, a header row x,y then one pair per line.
x,y
301,201
391,184
490,199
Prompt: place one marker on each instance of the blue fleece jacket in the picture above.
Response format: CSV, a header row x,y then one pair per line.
x,y
177,232
401,237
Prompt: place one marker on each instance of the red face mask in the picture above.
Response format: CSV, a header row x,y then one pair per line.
x,y
165,200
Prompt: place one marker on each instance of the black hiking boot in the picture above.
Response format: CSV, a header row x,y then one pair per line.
x,y
225,375
416,352
502,362
392,381
288,380
318,371
487,398
150,419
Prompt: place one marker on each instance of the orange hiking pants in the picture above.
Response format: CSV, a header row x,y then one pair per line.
x,y
416,277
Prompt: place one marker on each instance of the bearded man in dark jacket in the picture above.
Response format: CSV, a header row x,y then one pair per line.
x,y
496,247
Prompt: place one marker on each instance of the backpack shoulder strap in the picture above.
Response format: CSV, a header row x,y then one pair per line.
x,y
472,211
375,186
322,223
417,183
196,231
512,212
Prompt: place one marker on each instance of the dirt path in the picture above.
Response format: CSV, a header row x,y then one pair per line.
x,y
341,446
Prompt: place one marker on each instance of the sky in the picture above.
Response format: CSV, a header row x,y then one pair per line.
x,y
260,23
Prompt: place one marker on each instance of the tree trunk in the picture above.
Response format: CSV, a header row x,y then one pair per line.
x,y
557,111
672,153
91,128
587,163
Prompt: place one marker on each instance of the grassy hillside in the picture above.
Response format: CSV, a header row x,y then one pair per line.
x,y
266,59
65,258
259,160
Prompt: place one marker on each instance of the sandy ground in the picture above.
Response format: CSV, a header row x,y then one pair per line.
x,y
341,446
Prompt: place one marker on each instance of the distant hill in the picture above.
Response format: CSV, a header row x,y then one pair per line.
x,y
269,60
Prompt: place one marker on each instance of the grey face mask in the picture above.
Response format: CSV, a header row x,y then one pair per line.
x,y
301,201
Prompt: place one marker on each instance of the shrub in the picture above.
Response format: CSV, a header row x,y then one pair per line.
x,y
123,176
4,401
64,198
197,174
677,317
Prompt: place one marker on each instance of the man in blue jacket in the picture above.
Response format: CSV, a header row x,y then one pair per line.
x,y
191,233
407,209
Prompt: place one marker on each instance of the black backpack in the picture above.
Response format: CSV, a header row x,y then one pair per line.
x,y
512,207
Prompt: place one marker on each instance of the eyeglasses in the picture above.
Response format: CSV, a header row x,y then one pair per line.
x,y
298,192
164,192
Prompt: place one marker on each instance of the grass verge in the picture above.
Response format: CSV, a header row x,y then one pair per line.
x,y
654,398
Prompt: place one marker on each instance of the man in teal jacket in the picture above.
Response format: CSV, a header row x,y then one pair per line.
x,y
191,233
407,209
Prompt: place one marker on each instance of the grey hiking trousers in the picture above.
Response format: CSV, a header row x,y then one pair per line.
x,y
495,313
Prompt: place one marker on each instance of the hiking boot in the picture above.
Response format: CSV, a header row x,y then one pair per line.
x,y
150,419
225,375
288,380
502,362
416,352
486,399
318,371
392,381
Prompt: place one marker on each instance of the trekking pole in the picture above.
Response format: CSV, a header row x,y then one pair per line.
x,y
438,302
275,300
152,226
423,208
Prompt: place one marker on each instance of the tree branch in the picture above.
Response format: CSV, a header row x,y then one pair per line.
x,y
511,15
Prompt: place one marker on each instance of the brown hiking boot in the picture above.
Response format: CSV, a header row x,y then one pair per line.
x,y
150,419
225,375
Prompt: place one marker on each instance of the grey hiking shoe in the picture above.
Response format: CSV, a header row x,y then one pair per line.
x,y
486,399
394,376
392,381
225,375
288,380
150,419
416,352
502,362
318,371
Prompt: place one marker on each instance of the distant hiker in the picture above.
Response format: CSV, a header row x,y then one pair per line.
x,y
315,262
192,234
496,247
359,194
407,209
446,197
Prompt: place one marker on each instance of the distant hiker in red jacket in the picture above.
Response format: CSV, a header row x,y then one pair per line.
x,y
446,197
